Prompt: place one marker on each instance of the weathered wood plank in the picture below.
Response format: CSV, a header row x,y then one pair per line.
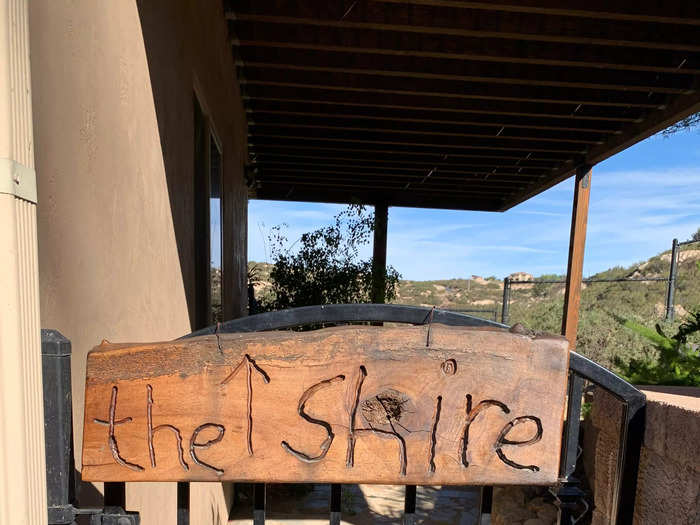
x,y
340,405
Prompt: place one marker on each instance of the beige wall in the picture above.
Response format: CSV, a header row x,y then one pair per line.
x,y
113,89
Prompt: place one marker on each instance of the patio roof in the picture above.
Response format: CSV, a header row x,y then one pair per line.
x,y
454,104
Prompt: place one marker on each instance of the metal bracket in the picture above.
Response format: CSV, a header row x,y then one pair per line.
x,y
18,180
568,498
586,180
583,172
115,516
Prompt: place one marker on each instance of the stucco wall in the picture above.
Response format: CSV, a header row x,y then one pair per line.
x,y
668,489
113,87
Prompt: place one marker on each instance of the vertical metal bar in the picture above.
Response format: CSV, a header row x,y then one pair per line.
x,y
485,505
671,288
381,219
58,426
567,493
631,438
252,302
202,289
631,435
506,300
115,494
183,503
259,504
336,490
409,505
573,423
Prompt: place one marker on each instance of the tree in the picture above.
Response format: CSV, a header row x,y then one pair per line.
x,y
686,124
695,237
325,266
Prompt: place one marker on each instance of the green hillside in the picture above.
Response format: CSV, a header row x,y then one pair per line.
x,y
539,307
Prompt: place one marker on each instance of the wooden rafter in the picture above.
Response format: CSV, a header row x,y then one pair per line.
x,y
447,146
400,65
483,50
376,115
465,178
271,156
360,168
496,101
636,132
661,12
410,103
297,77
504,134
457,22
259,144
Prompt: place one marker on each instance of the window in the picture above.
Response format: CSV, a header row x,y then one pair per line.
x,y
208,217
215,237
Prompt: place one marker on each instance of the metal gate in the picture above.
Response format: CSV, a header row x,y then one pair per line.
x,y
568,495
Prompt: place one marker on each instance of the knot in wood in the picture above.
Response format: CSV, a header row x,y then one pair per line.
x,y
449,367
384,408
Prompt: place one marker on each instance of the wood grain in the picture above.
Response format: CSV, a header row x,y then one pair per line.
x,y
577,247
342,405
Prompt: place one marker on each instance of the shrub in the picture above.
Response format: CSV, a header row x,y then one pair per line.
x,y
325,268
695,237
678,361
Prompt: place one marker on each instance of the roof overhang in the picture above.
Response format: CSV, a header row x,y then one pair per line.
x,y
454,104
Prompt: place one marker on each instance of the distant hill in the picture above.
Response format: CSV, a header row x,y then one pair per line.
x,y
539,306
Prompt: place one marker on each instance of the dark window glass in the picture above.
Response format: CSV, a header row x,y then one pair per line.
x,y
215,238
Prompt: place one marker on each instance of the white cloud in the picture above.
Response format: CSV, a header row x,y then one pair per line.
x,y
539,212
634,214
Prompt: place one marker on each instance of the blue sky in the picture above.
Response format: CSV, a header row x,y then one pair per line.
x,y
640,200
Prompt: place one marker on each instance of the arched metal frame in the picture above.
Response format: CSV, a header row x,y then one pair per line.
x,y
581,369
343,313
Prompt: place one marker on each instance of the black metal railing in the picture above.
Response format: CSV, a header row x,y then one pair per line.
x,y
508,284
567,492
483,313
671,283
58,429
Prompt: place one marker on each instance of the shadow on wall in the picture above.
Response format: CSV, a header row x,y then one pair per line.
x,y
186,55
175,130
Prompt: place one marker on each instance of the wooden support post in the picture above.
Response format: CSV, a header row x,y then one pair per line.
x,y
577,245
381,219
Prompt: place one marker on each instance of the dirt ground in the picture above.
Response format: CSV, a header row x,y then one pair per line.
x,y
362,504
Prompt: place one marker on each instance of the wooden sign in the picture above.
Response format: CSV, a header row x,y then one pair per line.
x,y
349,404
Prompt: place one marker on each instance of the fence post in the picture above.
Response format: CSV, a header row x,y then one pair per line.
x,y
671,289
506,300
252,301
58,426
58,431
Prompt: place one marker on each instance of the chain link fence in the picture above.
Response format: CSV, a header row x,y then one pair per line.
x,y
660,291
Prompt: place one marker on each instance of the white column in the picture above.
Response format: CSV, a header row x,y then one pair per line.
x,y
22,461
